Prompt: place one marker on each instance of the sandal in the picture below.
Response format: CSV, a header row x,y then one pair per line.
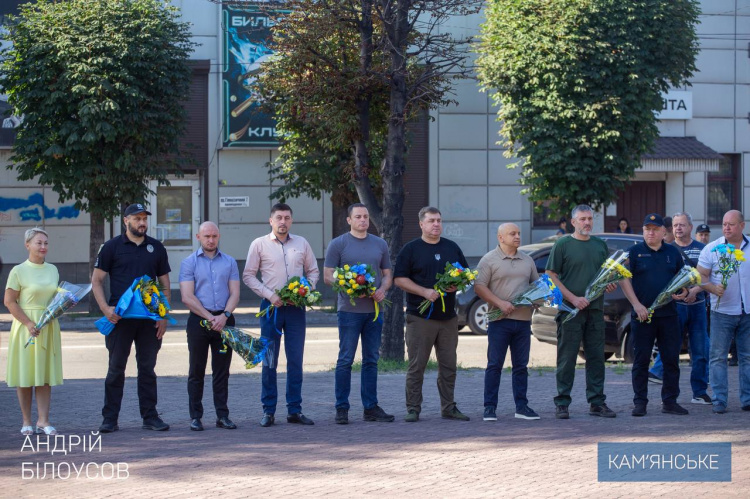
x,y
48,430
27,430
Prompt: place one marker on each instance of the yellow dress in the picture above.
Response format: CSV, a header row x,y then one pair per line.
x,y
41,363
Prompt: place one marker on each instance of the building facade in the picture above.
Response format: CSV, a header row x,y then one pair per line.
x,y
455,162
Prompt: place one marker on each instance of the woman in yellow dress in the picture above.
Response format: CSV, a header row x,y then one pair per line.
x,y
38,367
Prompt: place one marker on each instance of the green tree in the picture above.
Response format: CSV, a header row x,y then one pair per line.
x,y
100,85
578,82
361,70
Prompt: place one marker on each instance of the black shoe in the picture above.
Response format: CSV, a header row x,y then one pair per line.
x,y
377,414
527,413
639,410
267,420
455,414
674,409
196,425
342,416
653,378
490,413
108,427
226,423
561,412
155,424
602,411
299,418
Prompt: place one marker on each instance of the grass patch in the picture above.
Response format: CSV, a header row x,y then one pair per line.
x,y
397,366
619,368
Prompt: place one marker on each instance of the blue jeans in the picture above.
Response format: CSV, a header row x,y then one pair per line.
x,y
290,320
695,318
725,328
501,335
351,326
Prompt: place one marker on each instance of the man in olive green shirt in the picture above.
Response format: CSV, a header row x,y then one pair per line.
x,y
573,263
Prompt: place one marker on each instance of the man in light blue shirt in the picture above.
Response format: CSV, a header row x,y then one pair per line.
x,y
210,288
730,312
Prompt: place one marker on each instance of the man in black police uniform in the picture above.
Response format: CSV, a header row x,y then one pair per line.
x,y
653,265
125,258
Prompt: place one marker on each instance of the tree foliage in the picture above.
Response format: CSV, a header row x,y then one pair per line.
x,y
578,82
348,78
101,86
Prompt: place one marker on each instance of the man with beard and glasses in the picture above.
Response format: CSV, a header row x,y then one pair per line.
x,y
125,258
210,288
573,263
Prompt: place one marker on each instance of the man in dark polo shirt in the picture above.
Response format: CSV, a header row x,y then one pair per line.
x,y
125,258
653,264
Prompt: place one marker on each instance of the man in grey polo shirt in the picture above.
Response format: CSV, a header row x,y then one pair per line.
x,y
503,273
210,288
352,248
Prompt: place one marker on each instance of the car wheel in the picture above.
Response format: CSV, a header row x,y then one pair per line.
x,y
628,352
607,355
478,317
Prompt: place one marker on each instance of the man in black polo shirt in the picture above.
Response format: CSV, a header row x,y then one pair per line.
x,y
125,258
653,264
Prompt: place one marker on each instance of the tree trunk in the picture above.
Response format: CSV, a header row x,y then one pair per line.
x,y
96,239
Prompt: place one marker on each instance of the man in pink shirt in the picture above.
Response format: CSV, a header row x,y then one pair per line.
x,y
278,257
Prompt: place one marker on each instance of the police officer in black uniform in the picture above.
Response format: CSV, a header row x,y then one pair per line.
x,y
653,264
125,258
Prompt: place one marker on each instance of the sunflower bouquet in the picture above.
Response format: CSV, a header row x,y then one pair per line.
x,y
729,259
144,299
541,292
455,275
153,296
296,292
685,278
612,270
356,281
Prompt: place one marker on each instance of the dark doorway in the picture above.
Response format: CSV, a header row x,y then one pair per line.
x,y
638,200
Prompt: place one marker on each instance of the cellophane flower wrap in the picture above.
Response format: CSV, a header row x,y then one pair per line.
x,y
455,275
611,272
540,292
297,292
729,259
685,278
356,281
68,295
253,349
144,299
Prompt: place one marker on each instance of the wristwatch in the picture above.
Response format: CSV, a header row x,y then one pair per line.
x,y
228,313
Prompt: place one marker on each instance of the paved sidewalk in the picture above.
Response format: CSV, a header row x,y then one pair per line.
x,y
434,457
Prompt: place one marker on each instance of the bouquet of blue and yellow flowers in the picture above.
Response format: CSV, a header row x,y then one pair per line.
x,y
455,275
297,292
68,295
356,281
541,292
252,349
729,259
612,271
144,299
685,278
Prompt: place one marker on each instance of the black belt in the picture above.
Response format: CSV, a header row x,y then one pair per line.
x,y
212,312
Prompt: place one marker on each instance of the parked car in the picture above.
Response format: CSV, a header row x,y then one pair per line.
x,y
472,310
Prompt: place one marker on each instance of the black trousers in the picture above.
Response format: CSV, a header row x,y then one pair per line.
x,y
199,340
668,336
119,342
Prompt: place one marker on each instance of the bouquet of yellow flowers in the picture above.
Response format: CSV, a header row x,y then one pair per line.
x,y
455,275
612,271
729,259
144,299
686,277
540,292
296,292
356,281
252,349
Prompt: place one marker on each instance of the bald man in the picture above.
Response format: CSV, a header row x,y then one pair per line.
x,y
505,272
730,316
210,288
